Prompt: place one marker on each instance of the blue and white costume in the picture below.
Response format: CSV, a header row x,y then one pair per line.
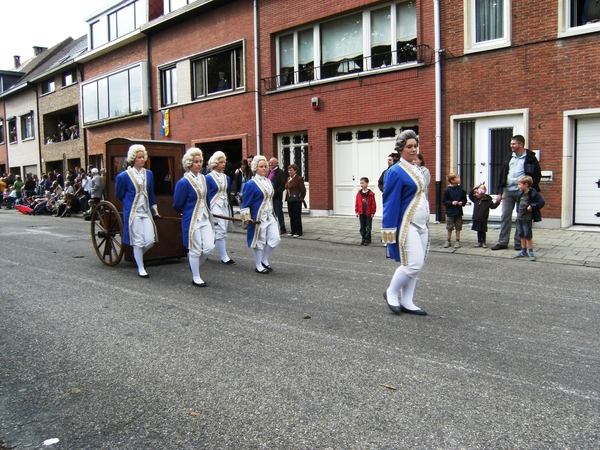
x,y
136,191
219,187
197,223
405,223
263,237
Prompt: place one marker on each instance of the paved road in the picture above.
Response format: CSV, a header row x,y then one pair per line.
x,y
99,358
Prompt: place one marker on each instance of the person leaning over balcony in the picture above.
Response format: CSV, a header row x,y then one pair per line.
x,y
135,188
197,222
519,163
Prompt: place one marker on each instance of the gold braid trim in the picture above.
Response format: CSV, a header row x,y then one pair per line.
x,y
263,205
192,180
222,187
410,210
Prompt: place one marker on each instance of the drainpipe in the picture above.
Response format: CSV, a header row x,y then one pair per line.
x,y
438,111
150,111
256,80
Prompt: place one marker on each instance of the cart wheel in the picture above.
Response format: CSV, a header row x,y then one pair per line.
x,y
107,233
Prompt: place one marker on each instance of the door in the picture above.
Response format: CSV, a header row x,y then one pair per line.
x,y
483,145
587,172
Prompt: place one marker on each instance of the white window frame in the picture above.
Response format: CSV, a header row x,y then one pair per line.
x,y
99,28
2,140
168,9
470,45
168,86
201,60
366,50
143,82
48,86
564,26
27,131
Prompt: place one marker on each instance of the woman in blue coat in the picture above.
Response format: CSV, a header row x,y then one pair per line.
x,y
257,200
197,222
405,227
135,188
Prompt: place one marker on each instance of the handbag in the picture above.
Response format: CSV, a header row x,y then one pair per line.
x,y
294,197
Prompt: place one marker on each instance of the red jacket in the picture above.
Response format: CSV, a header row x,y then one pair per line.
x,y
371,206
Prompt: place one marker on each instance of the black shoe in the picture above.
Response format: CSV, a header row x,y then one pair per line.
x,y
144,276
517,247
418,312
203,284
264,271
499,247
395,309
268,267
231,262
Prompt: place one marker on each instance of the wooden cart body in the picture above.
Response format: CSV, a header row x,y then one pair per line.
x,y
164,160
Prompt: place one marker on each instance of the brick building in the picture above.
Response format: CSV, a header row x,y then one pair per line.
x,y
513,67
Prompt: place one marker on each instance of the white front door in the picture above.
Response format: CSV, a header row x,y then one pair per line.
x,y
361,152
587,172
483,145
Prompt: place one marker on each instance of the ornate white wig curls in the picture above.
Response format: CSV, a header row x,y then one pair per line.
x,y
133,151
256,160
214,159
189,156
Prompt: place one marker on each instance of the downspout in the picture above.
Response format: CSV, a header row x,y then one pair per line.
x,y
149,75
438,111
256,80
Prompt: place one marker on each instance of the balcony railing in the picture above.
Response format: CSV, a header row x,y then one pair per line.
x,y
308,73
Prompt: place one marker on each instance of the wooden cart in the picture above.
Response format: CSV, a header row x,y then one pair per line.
x,y
164,160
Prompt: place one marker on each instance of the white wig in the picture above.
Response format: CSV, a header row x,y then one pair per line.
x,y
188,158
256,160
214,159
133,151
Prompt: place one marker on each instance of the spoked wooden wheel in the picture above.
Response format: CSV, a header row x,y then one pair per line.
x,y
107,233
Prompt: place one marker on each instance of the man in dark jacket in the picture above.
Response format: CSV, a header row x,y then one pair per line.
x,y
278,177
521,162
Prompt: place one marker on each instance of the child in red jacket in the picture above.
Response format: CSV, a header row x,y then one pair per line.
x,y
365,208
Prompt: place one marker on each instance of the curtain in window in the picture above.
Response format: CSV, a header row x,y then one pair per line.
x,y
406,21
286,50
342,38
381,27
306,52
489,20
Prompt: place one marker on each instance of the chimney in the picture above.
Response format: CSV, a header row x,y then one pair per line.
x,y
38,50
17,61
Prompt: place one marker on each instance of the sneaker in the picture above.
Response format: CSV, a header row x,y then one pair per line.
x,y
484,245
479,244
531,256
521,255
457,244
447,244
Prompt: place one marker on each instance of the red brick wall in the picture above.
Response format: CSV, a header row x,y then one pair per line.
x,y
389,97
540,72
209,119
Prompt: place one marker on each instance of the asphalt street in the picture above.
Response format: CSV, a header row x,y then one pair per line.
x,y
307,357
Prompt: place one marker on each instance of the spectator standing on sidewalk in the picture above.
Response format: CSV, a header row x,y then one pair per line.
x,y
278,177
521,162
455,197
365,207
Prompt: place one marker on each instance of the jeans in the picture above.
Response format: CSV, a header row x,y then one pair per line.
x,y
366,223
509,200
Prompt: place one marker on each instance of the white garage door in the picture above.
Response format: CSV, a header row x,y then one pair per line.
x,y
361,152
587,172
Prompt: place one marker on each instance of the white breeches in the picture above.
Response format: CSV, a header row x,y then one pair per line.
x,y
268,232
416,249
203,239
220,224
142,232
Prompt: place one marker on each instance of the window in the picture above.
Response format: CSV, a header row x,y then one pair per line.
x,y
579,16
98,33
48,86
124,21
69,78
219,72
487,24
27,126
1,131
358,42
12,130
116,95
294,150
172,5
168,86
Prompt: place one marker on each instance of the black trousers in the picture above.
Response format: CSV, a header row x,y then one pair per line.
x,y
295,213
